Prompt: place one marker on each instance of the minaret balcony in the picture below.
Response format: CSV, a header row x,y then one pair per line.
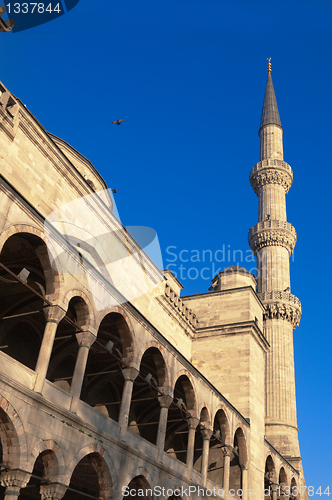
x,y
271,171
272,233
281,305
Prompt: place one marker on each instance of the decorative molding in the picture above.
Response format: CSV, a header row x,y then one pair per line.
x,y
271,172
52,491
272,233
272,163
277,310
14,478
284,296
281,305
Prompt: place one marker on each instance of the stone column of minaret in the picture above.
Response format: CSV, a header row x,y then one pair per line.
x,y
273,240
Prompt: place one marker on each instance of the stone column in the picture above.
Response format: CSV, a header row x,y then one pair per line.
x,y
274,488
54,315
245,484
52,491
206,434
165,402
13,481
227,460
129,375
85,341
192,422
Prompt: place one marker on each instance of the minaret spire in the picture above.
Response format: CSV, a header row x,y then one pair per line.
x,y
270,113
272,240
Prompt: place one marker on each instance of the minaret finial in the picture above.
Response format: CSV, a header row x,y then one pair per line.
x,y
269,69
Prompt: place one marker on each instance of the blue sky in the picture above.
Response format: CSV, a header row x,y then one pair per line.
x,y
188,77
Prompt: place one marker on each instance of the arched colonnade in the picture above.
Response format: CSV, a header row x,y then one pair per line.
x,y
95,358
278,485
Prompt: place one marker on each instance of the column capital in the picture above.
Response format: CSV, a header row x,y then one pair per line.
x,y
165,401
226,450
85,339
193,422
15,478
206,434
130,373
54,491
54,313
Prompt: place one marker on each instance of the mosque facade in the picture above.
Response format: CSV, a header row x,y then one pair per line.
x,y
113,384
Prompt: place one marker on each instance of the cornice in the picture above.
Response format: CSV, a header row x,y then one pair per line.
x,y
250,327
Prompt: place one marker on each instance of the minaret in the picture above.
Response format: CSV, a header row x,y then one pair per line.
x,y
273,240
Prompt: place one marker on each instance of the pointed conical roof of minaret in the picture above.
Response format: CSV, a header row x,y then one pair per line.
x,y
270,113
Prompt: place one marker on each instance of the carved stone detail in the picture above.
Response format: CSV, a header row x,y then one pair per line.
x,y
281,305
278,310
14,479
274,236
52,491
280,296
264,176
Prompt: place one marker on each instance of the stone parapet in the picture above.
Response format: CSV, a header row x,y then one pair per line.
x,y
281,305
271,171
272,233
178,304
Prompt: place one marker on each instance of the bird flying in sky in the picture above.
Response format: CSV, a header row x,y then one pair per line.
x,y
115,190
118,122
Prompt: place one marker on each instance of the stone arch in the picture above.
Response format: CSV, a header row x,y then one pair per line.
x,y
144,411
24,251
55,464
294,492
242,445
54,279
270,472
238,459
205,418
283,481
160,362
12,435
111,351
189,389
200,434
282,476
141,480
85,313
221,423
65,346
220,437
138,471
103,466
127,333
270,466
180,413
